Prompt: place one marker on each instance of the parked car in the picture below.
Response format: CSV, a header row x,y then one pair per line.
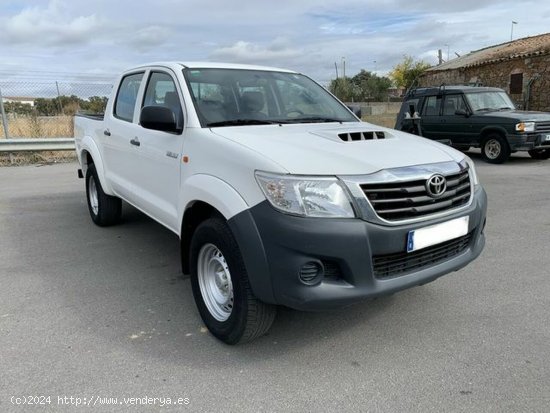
x,y
279,194
480,117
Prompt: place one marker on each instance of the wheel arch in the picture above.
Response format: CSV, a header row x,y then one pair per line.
x,y
207,196
89,153
489,130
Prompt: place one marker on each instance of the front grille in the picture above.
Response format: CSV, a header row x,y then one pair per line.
x,y
542,127
392,265
408,200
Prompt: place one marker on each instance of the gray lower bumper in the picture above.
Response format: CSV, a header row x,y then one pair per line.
x,y
276,246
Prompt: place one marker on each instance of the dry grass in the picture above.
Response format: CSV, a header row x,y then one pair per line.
x,y
387,120
42,157
40,127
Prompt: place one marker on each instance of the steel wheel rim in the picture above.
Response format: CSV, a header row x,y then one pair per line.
x,y
92,195
215,282
492,149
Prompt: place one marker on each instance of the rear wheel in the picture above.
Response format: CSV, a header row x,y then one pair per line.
x,y
104,209
495,149
221,288
539,153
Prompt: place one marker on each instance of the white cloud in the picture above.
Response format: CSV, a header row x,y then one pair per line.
x,y
149,37
246,52
307,36
50,26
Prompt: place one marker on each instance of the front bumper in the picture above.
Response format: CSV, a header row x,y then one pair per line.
x,y
529,141
276,246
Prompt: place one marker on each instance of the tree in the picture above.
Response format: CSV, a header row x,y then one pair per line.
x,y
405,73
370,86
18,108
95,104
364,86
342,88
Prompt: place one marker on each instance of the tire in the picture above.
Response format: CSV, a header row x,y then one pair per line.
x,y
539,153
105,210
495,149
221,288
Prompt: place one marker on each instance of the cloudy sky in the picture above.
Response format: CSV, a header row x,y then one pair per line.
x,y
101,37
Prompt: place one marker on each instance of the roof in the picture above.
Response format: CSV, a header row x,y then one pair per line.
x,y
213,65
521,48
421,91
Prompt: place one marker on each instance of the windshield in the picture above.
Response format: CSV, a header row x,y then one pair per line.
x,y
231,97
486,101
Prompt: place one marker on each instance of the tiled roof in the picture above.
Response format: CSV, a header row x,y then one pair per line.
x,y
521,48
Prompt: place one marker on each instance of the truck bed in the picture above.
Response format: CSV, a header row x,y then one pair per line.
x,y
93,116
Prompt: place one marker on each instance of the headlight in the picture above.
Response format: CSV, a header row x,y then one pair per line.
x,y
307,196
525,127
472,167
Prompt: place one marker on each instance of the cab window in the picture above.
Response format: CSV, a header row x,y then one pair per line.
x,y
161,91
126,97
432,105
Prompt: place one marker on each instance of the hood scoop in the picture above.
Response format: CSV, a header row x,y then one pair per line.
x,y
362,136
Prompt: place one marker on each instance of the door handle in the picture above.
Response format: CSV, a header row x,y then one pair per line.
x,y
107,132
135,142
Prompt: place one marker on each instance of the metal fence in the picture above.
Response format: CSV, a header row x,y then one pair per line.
x,y
44,109
37,117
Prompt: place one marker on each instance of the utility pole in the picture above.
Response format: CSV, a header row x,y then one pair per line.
x,y
4,118
344,66
439,56
512,30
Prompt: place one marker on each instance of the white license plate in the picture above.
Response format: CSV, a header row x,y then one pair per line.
x,y
436,234
546,137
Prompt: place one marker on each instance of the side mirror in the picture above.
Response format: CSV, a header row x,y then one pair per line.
x,y
158,118
462,112
356,109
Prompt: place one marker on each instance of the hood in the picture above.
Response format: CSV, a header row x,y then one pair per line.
x,y
319,149
520,115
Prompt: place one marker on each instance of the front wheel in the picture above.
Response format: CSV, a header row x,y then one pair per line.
x,y
221,288
495,149
539,153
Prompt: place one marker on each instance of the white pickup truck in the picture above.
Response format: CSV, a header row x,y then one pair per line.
x,y
279,193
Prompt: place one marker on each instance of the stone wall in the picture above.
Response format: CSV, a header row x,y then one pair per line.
x,y
535,70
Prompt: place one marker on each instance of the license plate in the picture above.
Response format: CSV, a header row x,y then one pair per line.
x,y
546,138
436,234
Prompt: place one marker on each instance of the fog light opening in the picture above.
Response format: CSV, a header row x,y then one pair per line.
x,y
311,273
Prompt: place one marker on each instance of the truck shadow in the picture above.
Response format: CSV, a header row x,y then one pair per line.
x,y
517,158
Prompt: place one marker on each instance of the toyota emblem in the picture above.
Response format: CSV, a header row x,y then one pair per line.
x,y
436,186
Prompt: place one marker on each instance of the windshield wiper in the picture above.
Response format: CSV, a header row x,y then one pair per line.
x,y
485,109
240,122
506,108
314,119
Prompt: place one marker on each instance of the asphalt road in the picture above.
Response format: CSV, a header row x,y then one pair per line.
x,y
89,313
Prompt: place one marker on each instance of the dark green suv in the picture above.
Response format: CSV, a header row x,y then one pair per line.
x,y
482,117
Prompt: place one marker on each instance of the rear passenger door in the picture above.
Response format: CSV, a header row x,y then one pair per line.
x,y
160,153
431,119
119,154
